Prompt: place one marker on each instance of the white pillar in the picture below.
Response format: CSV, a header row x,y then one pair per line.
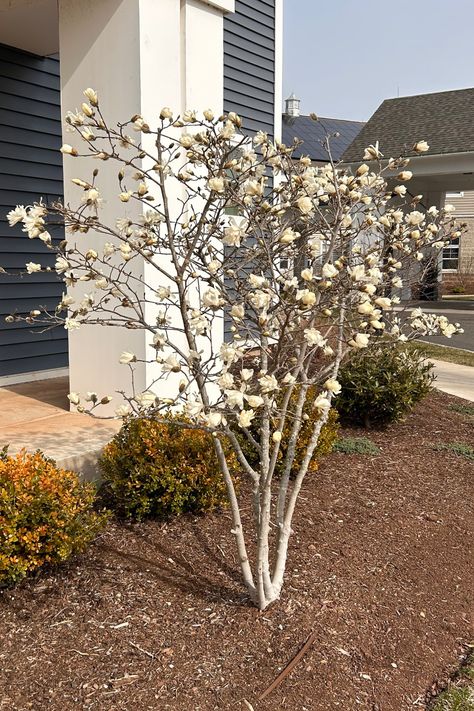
x,y
139,55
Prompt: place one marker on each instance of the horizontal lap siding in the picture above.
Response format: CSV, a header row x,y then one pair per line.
x,y
249,63
30,169
249,71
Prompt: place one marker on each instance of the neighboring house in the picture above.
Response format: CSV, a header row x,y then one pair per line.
x,y
444,173
314,133
139,55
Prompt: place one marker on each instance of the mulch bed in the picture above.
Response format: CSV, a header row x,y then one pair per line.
x,y
153,617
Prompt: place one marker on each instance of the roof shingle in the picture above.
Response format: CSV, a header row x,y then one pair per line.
x,y
445,120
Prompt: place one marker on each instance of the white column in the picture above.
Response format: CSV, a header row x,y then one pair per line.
x,y
139,55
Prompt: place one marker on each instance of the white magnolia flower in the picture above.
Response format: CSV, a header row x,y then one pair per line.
x,y
405,175
146,399
171,364
233,235
254,401
384,302
214,266
256,281
305,205
365,307
198,323
357,272
421,147
187,140
32,267
166,113
289,379
225,381
329,271
216,184
109,249
288,236
235,398
193,408
307,297
276,436
74,398
208,114
61,265
372,152
259,299
16,215
449,208
253,188
307,274
246,417
212,298
360,340
123,411
237,312
127,357
397,282
163,292
268,383
400,190
246,374
322,402
71,324
189,116
333,385
212,419
68,150
414,218
314,337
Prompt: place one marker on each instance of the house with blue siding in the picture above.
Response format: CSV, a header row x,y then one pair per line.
x,y
139,55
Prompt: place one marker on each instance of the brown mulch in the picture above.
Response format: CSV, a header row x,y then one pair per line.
x,y
153,617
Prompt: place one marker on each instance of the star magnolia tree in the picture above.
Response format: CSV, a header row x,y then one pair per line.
x,y
305,262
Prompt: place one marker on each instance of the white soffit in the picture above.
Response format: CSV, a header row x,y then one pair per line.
x,y
30,25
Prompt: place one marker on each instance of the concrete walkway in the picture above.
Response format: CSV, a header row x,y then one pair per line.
x,y
454,379
36,416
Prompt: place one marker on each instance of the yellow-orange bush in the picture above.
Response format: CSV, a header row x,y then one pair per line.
x,y
46,515
154,469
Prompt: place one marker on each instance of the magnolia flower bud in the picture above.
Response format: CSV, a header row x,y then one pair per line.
x,y
127,357
166,113
208,114
276,436
87,110
91,95
363,169
68,150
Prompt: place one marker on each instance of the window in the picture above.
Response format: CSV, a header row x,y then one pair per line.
x,y
450,258
455,194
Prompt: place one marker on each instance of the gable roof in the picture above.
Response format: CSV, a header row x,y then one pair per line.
x,y
445,120
313,134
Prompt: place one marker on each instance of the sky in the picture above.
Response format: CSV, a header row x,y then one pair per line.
x,y
343,57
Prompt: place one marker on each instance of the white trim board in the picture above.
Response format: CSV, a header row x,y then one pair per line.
x,y
35,375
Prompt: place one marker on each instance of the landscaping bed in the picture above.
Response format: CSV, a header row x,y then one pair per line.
x,y
153,616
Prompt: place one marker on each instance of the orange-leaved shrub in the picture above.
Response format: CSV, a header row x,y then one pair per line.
x,y
153,469
46,515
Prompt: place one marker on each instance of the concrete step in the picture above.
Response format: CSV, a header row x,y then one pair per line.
x,y
33,416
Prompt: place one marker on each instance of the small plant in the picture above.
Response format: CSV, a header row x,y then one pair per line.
x,y
458,448
46,515
383,385
459,695
154,469
463,409
356,445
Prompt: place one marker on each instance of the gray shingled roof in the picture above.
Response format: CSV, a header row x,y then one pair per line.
x,y
445,120
313,134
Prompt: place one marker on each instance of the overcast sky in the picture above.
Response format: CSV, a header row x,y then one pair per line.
x,y
343,57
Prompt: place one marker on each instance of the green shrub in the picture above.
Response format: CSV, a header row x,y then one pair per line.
x,y
382,385
153,469
355,445
46,515
327,437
